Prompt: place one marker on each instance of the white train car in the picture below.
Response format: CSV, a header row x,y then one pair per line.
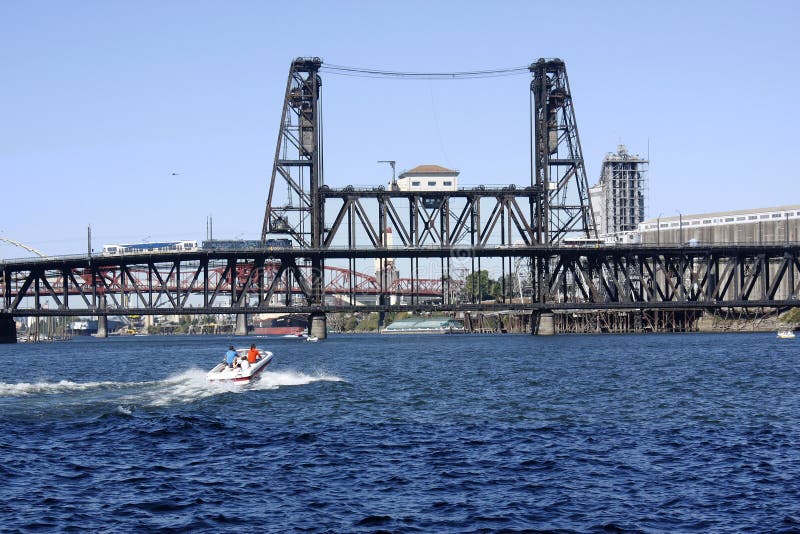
x,y
149,248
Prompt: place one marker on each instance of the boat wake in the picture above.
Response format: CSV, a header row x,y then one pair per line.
x,y
185,387
23,389
276,379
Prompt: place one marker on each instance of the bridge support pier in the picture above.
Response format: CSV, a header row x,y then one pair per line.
x,y
543,323
102,320
102,326
241,325
8,329
318,325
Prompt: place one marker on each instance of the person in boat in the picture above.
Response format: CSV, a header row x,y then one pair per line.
x,y
253,355
230,357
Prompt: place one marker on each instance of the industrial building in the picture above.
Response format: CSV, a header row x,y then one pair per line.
x,y
753,226
618,199
760,226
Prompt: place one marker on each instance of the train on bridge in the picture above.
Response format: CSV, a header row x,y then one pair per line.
x,y
190,245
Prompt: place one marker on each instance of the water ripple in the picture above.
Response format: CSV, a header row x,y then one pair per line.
x,y
372,434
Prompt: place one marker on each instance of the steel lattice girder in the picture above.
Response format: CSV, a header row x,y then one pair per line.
x,y
711,277
440,218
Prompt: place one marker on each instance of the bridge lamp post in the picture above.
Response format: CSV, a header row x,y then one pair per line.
x,y
391,163
658,229
787,228
680,226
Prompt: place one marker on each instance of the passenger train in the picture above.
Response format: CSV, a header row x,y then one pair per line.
x,y
144,248
188,246
245,244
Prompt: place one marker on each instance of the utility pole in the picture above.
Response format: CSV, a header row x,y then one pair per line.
x,y
391,163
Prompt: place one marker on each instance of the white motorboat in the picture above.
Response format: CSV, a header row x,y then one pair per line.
x,y
245,372
312,339
786,334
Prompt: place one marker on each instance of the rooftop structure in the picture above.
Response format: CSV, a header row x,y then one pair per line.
x,y
428,178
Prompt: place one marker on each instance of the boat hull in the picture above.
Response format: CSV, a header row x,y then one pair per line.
x,y
224,374
280,326
278,331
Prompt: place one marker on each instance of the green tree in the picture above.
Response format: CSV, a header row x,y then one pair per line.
x,y
369,323
349,324
184,322
480,287
792,316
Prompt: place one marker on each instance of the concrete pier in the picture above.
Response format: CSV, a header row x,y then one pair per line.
x,y
102,320
241,325
318,325
8,329
102,326
543,323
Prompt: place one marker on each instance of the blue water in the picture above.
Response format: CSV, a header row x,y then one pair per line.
x,y
658,433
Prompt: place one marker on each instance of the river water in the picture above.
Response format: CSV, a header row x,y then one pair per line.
x,y
656,433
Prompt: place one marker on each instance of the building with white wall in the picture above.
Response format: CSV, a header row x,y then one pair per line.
x,y
757,226
428,178
779,224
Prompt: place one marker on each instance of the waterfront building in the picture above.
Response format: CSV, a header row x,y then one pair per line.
x,y
759,226
778,224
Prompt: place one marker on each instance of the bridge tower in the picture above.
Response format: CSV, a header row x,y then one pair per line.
x,y
557,168
558,172
295,206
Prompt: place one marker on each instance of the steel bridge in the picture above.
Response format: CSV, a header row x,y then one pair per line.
x,y
569,277
522,231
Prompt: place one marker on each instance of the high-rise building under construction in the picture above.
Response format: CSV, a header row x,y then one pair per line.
x,y
618,199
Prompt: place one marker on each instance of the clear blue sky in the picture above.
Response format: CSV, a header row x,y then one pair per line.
x,y
100,102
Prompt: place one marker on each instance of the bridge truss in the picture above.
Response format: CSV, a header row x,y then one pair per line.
x,y
440,239
247,282
553,205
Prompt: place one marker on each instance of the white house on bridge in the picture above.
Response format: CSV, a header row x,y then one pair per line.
x,y
428,178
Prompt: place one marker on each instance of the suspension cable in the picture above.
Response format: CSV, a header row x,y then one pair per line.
x,y
342,70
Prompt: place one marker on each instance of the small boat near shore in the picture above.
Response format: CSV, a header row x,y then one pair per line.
x,y
245,372
786,334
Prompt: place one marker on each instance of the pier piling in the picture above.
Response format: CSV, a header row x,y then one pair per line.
x,y
543,323
8,329
102,327
241,325
318,325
